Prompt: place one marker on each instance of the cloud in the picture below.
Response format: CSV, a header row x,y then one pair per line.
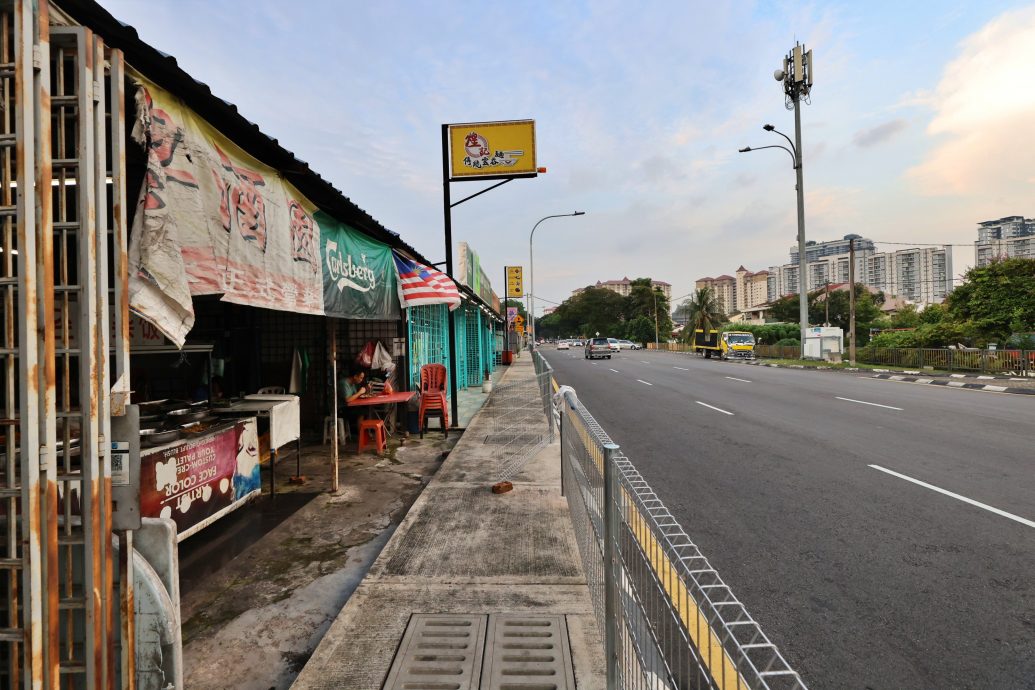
x,y
866,138
984,115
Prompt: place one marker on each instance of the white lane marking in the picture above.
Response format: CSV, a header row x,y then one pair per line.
x,y
971,501
863,402
734,378
681,368
615,370
712,407
644,382
643,361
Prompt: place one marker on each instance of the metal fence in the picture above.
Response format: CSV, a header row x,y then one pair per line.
x,y
667,618
517,410
1012,362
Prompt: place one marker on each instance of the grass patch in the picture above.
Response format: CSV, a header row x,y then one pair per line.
x,y
814,364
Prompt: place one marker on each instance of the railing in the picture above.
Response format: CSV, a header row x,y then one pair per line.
x,y
1012,362
778,351
667,618
516,410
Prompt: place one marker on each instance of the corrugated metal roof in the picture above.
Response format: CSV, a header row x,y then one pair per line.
x,y
163,70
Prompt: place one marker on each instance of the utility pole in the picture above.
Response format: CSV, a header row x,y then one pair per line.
x,y
654,292
851,301
826,301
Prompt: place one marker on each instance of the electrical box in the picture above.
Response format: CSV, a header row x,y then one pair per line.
x,y
824,342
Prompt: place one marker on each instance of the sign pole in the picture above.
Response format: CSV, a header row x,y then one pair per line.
x,y
448,213
506,317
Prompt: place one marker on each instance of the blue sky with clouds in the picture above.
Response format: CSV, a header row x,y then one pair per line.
x,y
922,120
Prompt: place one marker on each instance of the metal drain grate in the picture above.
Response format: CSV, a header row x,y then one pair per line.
x,y
439,652
527,653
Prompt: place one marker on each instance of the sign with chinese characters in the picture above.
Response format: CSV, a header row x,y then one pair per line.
x,y
497,149
515,282
212,220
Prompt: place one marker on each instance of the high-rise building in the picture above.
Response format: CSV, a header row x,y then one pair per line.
x,y
814,251
739,292
1012,236
918,274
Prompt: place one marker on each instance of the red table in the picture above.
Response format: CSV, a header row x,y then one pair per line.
x,y
376,401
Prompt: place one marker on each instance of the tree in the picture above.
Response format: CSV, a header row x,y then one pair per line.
x,y
640,329
646,300
704,312
997,300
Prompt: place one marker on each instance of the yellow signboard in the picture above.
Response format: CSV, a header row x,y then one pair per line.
x,y
480,149
515,282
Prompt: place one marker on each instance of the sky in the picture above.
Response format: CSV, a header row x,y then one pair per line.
x,y
921,121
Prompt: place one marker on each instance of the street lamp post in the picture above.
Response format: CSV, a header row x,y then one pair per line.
x,y
796,76
531,271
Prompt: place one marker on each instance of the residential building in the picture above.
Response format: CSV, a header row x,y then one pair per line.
x,y
624,286
814,251
918,274
724,289
1012,236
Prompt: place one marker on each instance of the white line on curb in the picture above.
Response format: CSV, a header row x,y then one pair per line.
x,y
644,382
712,407
863,402
971,501
681,368
734,378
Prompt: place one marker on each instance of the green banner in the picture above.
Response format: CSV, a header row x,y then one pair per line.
x,y
359,278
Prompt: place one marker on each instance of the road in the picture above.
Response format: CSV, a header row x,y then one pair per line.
x,y
802,489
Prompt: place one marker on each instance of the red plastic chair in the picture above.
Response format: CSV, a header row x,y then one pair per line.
x,y
433,396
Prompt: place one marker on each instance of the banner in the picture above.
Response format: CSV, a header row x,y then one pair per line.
x,y
194,482
359,278
213,220
470,273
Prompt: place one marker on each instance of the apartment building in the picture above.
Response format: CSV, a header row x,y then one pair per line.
x,y
739,292
624,286
918,274
1009,237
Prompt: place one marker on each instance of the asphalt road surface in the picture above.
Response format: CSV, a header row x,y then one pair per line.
x,y
882,533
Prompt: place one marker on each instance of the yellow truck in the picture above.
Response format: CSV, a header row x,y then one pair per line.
x,y
727,345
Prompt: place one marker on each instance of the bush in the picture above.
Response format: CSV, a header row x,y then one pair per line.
x,y
788,342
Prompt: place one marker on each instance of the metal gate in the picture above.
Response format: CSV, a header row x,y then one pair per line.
x,y
427,337
56,568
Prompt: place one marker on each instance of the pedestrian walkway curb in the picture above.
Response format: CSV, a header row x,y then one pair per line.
x,y
956,384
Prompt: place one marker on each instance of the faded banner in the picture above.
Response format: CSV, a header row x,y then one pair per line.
x,y
213,220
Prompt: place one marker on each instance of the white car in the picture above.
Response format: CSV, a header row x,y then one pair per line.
x,y
563,345
629,345
613,344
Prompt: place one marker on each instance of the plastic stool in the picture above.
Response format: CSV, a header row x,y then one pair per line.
x,y
378,428
343,430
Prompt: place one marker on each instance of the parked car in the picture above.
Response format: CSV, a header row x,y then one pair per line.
x,y
630,345
613,344
598,347
563,345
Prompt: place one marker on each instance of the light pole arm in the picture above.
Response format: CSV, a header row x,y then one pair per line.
x,y
531,269
794,159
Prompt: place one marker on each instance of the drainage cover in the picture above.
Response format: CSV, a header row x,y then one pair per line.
x,y
527,653
439,652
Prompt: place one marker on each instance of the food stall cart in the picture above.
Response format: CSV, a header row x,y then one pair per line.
x,y
278,415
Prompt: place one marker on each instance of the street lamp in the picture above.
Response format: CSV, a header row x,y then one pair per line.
x,y
655,293
796,76
531,269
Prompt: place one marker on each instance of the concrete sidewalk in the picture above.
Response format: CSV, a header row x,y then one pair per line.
x,y
463,550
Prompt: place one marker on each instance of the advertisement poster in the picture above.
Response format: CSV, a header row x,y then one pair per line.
x,y
213,220
359,274
196,481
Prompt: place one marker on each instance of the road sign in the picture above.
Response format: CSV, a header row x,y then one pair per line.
x,y
497,149
519,321
515,282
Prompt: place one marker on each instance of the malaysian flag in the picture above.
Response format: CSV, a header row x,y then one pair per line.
x,y
420,284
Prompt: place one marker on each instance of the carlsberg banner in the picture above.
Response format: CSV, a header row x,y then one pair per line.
x,y
359,278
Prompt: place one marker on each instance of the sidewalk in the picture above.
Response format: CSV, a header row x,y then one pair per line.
x,y
463,550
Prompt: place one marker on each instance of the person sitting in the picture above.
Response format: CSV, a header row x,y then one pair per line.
x,y
351,387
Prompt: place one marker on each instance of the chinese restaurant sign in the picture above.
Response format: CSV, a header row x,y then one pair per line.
x,y
195,482
213,220
498,149
359,278
515,282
